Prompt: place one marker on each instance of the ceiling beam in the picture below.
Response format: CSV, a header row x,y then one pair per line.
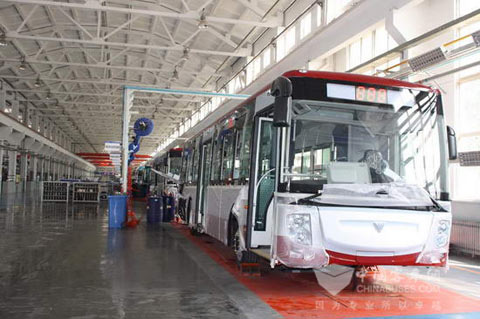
x,y
190,15
102,65
106,112
241,52
137,97
92,81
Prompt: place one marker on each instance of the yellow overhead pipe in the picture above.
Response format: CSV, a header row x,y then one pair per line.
x,y
406,61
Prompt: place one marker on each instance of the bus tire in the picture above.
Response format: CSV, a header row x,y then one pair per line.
x,y
194,231
248,257
242,256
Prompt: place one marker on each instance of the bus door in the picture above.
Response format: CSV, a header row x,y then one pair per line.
x,y
203,180
262,183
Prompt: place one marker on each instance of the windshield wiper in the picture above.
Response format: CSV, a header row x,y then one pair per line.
x,y
309,201
439,208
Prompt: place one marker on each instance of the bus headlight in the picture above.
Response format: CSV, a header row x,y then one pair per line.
x,y
435,251
300,228
443,233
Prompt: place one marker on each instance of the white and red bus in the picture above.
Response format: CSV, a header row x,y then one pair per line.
x,y
326,168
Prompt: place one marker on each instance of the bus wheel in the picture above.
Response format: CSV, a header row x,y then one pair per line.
x,y
236,244
242,256
194,231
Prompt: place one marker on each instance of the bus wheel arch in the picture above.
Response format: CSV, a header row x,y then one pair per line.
x,y
235,242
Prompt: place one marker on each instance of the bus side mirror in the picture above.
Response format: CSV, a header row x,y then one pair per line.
x,y
282,91
452,143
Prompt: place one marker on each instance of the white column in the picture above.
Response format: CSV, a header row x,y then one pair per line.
x,y
34,162
60,170
12,166
42,168
53,170
48,167
23,170
2,152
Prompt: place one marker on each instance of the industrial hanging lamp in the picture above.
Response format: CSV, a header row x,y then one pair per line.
x,y
174,75
3,41
37,82
202,23
186,54
23,65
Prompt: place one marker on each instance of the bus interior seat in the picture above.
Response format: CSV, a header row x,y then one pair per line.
x,y
348,173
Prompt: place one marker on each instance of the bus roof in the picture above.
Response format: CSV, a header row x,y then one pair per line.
x,y
351,77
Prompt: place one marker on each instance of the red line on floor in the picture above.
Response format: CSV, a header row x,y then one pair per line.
x,y
298,295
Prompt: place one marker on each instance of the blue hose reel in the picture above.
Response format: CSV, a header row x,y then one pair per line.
x,y
142,127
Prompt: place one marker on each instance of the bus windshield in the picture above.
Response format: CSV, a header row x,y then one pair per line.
x,y
390,145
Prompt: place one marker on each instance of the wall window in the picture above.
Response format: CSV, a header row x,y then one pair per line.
x,y
195,118
306,25
336,8
371,44
466,6
468,125
367,47
290,39
267,56
354,54
257,67
467,179
383,41
280,47
319,15
249,70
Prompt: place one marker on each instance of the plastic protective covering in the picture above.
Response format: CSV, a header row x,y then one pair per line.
x,y
375,195
220,200
295,245
435,251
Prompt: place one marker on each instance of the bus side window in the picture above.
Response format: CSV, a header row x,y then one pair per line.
x,y
183,166
217,158
188,155
239,125
238,148
246,137
190,165
227,156
196,160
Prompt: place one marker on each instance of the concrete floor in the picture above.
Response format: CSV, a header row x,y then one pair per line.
x,y
62,261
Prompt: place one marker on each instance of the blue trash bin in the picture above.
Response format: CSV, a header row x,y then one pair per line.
x,y
154,210
117,210
168,208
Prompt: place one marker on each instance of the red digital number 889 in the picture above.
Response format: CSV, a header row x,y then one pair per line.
x,y
361,93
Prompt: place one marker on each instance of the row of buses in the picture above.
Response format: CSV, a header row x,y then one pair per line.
x,y
324,168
